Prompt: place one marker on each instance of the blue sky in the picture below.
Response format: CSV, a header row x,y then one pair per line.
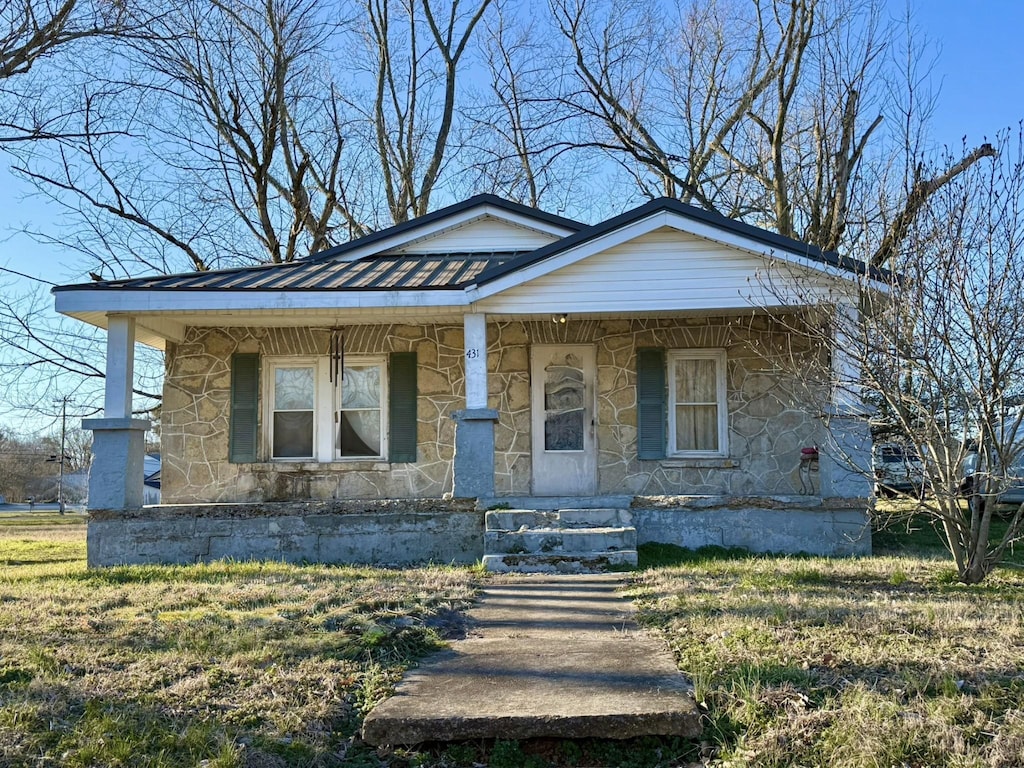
x,y
978,73
980,66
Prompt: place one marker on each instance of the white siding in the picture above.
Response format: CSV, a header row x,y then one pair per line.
x,y
662,270
484,234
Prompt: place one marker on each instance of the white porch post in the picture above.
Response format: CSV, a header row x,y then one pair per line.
x,y
846,374
117,401
475,326
474,429
116,475
846,457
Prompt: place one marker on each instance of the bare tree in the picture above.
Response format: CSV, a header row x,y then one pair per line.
x,y
525,147
765,111
34,31
941,349
217,140
416,50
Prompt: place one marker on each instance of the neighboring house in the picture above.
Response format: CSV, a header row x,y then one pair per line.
x,y
348,404
151,479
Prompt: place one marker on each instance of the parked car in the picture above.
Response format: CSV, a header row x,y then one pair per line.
x,y
1013,490
897,469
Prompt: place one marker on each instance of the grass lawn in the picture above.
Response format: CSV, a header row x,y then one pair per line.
x,y
882,661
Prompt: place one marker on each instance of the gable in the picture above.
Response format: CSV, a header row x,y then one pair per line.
x,y
661,270
485,234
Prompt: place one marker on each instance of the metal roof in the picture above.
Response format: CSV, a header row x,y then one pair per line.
x,y
477,201
439,271
412,272
757,234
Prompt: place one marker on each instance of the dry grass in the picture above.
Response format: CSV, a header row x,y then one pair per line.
x,y
230,664
882,661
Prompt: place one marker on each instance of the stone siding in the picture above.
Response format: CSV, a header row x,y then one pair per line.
x,y
767,423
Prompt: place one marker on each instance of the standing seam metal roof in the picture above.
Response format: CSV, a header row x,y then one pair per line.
x,y
400,272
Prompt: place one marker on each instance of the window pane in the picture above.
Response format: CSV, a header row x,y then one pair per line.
x,y
360,387
564,394
695,381
563,388
563,431
696,428
293,389
293,434
359,433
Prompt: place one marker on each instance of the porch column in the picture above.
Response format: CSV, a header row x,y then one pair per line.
x,y
846,456
118,440
474,427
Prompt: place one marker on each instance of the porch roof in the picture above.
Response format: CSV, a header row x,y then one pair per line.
x,y
484,255
421,271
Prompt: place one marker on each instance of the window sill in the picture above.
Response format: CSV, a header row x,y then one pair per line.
x,y
370,465
709,462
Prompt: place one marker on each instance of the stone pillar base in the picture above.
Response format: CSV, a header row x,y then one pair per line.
x,y
845,463
117,473
474,453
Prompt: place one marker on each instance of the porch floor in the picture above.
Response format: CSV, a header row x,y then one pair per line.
x,y
543,657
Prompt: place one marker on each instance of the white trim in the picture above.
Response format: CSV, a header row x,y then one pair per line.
x,y
642,227
270,368
722,404
381,362
452,221
112,300
325,406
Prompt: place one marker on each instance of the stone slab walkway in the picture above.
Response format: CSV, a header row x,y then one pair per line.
x,y
545,656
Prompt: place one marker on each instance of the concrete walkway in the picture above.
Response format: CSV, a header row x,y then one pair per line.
x,y
545,656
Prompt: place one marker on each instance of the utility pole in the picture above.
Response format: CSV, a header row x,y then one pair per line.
x,y
63,455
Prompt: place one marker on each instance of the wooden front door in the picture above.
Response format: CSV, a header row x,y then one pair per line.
x,y
564,436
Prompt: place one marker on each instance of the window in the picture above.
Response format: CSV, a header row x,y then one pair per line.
x,y
313,418
360,418
292,426
697,413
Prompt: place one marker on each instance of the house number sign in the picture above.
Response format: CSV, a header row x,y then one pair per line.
x,y
472,354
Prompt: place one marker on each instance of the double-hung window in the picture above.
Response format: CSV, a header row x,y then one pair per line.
x,y
311,416
360,421
697,413
293,411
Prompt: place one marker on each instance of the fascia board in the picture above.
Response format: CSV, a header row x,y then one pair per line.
x,y
734,240
431,229
71,302
649,224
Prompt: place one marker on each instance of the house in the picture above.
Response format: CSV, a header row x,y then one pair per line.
x,y
369,401
151,478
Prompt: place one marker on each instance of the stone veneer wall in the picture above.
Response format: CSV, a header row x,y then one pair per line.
x,y
767,423
197,392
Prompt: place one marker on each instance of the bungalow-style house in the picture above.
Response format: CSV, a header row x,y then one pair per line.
x,y
370,402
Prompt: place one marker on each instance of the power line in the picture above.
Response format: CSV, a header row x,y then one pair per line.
x,y
27,277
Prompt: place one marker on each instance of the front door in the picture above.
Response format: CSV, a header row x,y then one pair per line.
x,y
564,442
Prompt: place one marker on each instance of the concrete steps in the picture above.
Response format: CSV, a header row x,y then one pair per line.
x,y
559,541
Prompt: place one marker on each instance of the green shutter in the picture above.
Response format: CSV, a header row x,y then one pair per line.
x,y
243,436
402,407
650,397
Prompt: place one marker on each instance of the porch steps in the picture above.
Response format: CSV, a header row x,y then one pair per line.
x,y
559,541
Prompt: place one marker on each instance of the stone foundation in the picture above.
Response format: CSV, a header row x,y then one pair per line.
x,y
783,524
384,533
404,532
